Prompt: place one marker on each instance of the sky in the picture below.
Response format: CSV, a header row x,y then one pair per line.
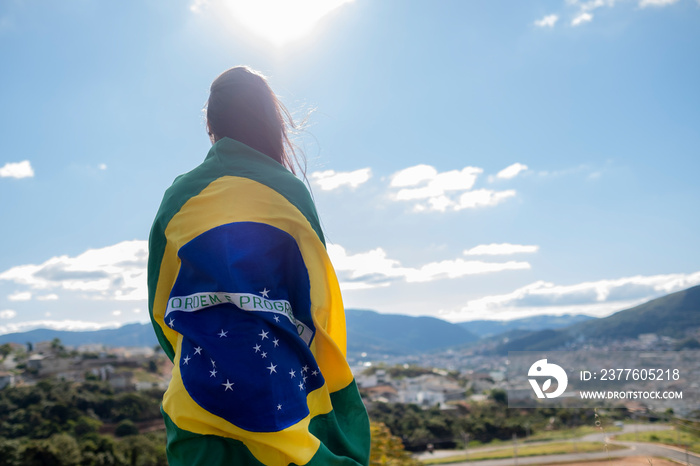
x,y
469,160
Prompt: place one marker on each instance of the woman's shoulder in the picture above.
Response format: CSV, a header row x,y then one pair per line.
x,y
232,169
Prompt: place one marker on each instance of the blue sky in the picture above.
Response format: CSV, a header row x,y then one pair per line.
x,y
469,160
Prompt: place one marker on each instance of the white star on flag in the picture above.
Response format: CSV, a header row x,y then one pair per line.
x,y
171,323
315,372
264,293
248,374
277,318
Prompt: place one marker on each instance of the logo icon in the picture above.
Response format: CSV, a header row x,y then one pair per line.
x,y
544,369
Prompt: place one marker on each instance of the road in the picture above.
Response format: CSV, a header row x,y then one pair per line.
x,y
634,449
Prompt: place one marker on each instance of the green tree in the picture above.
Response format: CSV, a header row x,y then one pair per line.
x,y
9,452
499,396
143,450
126,427
5,349
57,450
100,450
387,449
85,425
135,406
56,344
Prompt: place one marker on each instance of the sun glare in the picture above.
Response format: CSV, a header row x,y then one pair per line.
x,y
281,21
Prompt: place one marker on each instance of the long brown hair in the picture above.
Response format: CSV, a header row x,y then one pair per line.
x,y
243,107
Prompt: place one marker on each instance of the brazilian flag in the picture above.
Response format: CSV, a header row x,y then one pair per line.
x,y
245,302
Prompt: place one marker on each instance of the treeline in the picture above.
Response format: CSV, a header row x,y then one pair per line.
x,y
85,424
482,422
57,423
78,424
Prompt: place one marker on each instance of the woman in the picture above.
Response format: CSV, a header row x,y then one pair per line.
x,y
245,302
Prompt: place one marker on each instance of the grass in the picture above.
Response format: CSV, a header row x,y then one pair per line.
x,y
668,437
557,448
544,436
569,433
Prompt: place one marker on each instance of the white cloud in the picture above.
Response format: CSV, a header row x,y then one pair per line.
x,y
495,249
20,296
584,9
433,183
374,269
511,171
482,198
646,3
7,314
102,166
430,190
369,269
117,313
48,297
330,179
456,268
599,298
592,5
72,325
547,21
114,272
412,176
581,18
17,170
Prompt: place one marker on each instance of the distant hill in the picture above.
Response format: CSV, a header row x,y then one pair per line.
x,y
368,331
126,335
489,328
671,315
374,333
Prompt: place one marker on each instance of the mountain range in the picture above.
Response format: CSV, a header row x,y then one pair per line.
x,y
489,328
126,335
368,332
376,334
672,315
